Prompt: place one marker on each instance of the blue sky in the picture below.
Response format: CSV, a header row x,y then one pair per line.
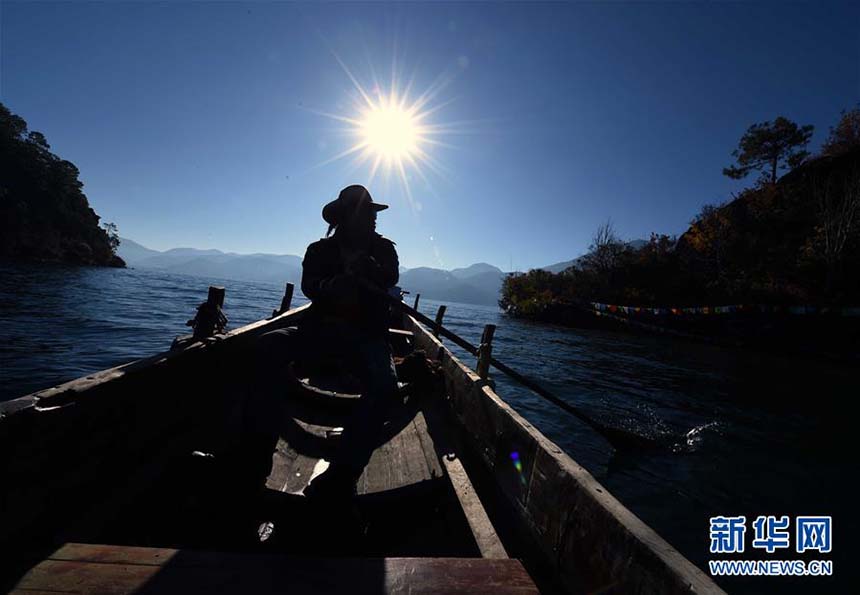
x,y
199,124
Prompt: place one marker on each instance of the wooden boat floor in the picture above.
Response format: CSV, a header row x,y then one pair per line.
x,y
76,568
406,459
405,505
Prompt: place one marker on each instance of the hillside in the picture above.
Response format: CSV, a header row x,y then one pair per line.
x,y
44,215
793,242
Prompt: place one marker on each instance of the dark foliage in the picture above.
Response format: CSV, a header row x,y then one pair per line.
x,y
44,215
845,136
793,242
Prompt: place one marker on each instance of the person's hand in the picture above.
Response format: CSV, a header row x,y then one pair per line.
x,y
364,266
341,287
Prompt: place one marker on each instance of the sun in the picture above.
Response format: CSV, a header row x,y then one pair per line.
x,y
390,132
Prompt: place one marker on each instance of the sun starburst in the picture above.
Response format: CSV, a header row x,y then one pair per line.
x,y
391,133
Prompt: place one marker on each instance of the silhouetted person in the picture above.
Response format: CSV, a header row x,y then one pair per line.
x,y
347,320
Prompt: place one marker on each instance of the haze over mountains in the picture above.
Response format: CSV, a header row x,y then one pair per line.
x,y
479,283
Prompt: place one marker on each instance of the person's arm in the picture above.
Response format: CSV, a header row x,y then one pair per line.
x,y
380,266
321,284
313,273
388,272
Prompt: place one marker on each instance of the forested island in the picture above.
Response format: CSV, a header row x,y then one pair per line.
x,y
787,240
44,215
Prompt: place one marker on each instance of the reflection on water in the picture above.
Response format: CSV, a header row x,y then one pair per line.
x,y
757,434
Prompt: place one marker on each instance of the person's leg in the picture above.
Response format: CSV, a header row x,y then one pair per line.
x,y
379,377
263,411
370,360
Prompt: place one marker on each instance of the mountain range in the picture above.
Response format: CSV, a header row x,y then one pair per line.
x,y
476,284
479,283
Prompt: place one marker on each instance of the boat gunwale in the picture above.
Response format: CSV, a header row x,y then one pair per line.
x,y
62,394
649,553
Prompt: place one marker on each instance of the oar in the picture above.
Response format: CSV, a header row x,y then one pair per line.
x,y
618,438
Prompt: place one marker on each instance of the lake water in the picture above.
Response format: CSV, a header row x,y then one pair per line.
x,y
771,435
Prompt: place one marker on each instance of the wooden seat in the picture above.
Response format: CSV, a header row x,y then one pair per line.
x,y
116,569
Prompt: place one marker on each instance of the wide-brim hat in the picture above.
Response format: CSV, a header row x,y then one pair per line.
x,y
350,201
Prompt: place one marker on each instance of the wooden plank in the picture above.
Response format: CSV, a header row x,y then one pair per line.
x,y
287,300
434,465
501,435
456,575
399,333
291,471
402,460
115,569
113,554
62,576
485,534
397,463
440,314
485,351
282,461
482,528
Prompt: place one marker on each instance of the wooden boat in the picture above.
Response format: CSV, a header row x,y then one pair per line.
x,y
134,479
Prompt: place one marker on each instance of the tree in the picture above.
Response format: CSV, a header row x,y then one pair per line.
x,y
605,249
769,147
838,201
113,236
44,214
712,234
845,135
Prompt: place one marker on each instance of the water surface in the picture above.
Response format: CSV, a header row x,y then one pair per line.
x,y
757,434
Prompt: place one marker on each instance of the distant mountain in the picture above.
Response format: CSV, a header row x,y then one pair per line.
x,y
475,269
482,287
477,284
132,252
561,266
214,263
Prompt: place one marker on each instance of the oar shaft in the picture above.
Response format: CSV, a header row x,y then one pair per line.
x,y
545,394
605,432
530,384
442,330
